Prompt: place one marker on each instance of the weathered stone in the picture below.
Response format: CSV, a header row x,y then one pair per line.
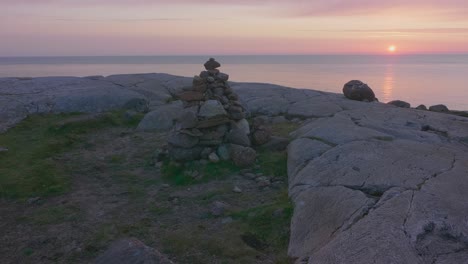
x,y
213,157
131,250
235,109
3,149
201,88
242,156
261,136
212,122
233,97
213,72
192,132
238,137
197,80
237,116
161,118
191,96
399,103
212,64
223,152
182,140
218,208
219,91
213,142
421,107
359,91
242,124
204,75
439,108
223,77
188,119
212,108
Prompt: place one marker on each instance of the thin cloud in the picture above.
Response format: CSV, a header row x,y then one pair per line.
x,y
398,31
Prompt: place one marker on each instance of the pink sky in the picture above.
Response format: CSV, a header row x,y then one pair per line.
x,y
172,27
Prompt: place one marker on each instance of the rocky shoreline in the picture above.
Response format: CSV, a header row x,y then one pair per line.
x,y
371,182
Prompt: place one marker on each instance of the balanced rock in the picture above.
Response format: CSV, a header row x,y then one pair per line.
x,y
211,119
359,91
399,103
212,64
439,108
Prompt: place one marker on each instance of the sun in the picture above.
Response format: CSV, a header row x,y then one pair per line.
x,y
392,48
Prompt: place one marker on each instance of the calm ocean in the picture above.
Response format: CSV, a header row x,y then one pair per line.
x,y
418,79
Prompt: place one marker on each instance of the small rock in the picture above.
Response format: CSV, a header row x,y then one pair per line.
x,y
238,137
242,156
183,140
165,185
276,144
187,119
227,220
3,149
218,208
223,152
34,200
212,108
261,136
190,96
263,183
439,108
237,189
278,212
399,103
213,158
421,107
223,77
250,176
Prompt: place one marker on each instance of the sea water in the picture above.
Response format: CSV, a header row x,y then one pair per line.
x,y
418,79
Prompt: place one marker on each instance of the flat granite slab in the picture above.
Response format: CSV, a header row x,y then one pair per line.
x,y
371,183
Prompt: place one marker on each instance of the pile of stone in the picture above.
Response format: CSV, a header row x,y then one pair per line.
x,y
212,125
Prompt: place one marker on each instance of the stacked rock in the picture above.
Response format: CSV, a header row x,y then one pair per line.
x,y
212,125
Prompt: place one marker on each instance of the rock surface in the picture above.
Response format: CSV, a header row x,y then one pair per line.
x,y
399,103
359,91
371,183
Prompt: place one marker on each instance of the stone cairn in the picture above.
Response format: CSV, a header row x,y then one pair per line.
x,y
212,125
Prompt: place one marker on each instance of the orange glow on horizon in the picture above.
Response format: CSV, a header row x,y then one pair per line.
x,y
392,48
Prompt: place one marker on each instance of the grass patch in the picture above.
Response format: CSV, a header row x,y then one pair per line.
x,y
31,167
267,227
284,129
179,174
273,163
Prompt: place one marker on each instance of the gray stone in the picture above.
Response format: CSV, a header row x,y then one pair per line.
x,y
188,119
162,118
238,137
421,107
399,103
213,157
218,208
439,108
212,108
223,152
131,250
236,189
223,77
182,140
243,125
242,156
3,149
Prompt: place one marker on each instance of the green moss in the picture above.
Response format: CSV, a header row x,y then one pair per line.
x,y
273,163
32,166
284,129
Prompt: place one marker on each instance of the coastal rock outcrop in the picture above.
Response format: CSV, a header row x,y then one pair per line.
x,y
359,91
439,108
